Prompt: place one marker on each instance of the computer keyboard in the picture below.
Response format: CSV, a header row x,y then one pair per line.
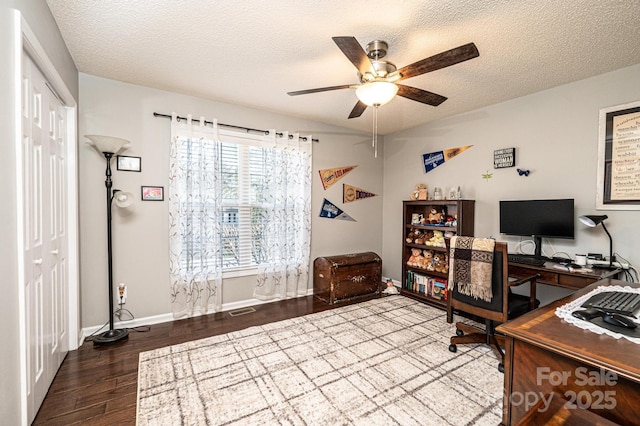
x,y
527,260
617,302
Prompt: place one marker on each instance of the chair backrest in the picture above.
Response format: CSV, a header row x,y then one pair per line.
x,y
497,309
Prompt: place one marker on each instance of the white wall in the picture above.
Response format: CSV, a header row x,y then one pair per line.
x,y
555,133
141,239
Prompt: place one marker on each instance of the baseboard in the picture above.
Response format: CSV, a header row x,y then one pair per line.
x,y
158,319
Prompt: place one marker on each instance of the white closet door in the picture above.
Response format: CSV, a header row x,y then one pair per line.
x,y
45,237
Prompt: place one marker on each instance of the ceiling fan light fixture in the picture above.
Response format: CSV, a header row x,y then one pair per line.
x,y
376,92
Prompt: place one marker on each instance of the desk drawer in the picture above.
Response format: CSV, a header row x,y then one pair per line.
x,y
554,277
544,277
574,281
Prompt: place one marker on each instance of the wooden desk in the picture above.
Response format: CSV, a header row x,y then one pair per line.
x,y
549,275
544,354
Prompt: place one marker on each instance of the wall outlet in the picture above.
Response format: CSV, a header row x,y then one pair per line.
x,y
122,293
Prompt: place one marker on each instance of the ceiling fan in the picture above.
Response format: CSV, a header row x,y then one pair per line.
x,y
378,78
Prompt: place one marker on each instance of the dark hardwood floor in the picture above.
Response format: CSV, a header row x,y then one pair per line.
x,y
98,385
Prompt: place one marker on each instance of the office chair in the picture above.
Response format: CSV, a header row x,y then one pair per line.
x,y
498,310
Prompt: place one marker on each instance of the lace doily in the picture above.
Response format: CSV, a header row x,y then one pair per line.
x,y
564,312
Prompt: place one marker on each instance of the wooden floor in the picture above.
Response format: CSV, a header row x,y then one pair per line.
x,y
98,385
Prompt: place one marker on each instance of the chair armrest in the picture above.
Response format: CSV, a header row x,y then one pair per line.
x,y
532,287
513,282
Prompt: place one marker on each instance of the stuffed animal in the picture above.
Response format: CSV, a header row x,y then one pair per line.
x,y
415,259
428,234
449,221
434,216
439,263
391,288
437,240
419,237
420,193
410,237
427,262
445,263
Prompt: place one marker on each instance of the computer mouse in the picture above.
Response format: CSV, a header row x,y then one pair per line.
x,y
619,321
587,314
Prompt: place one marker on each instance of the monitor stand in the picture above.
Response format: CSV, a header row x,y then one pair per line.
x,y
538,250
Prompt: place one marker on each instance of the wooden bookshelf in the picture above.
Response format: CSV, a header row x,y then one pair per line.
x,y
419,281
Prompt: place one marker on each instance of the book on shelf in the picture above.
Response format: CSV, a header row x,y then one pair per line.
x,y
417,283
439,289
429,286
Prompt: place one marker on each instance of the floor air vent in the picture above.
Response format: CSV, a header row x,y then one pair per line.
x,y
243,311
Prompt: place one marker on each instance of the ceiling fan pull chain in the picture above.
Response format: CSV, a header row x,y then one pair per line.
x,y
375,131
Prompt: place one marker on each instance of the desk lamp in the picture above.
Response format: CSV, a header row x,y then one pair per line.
x,y
109,146
593,221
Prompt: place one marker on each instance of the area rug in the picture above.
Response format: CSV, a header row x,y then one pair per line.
x,y
381,362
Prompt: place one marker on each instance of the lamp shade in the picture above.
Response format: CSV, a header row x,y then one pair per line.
x,y
376,92
123,199
107,143
592,221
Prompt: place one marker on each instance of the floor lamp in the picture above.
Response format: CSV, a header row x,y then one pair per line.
x,y
109,146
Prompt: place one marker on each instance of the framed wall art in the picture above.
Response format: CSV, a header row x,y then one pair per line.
x,y
618,186
128,164
152,193
505,157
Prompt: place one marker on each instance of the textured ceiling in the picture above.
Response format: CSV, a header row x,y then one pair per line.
x,y
251,52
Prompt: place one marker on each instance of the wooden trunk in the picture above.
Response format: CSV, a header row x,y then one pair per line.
x,y
346,277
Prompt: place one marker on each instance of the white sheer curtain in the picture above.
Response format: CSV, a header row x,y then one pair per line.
x,y
195,224
285,273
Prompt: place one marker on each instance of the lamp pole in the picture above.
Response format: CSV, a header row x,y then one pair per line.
x,y
611,256
112,335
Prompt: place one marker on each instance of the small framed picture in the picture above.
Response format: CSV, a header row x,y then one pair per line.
x,y
129,164
152,193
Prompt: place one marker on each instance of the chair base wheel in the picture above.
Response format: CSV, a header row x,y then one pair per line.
x,y
459,332
501,367
453,348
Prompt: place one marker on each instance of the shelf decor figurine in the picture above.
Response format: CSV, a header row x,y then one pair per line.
x,y
420,193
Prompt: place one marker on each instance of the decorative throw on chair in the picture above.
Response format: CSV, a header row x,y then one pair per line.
x,y
470,268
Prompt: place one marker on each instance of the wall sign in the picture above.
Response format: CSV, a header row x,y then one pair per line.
x,y
353,193
432,160
503,158
331,176
619,158
331,211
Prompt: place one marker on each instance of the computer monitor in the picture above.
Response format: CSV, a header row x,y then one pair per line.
x,y
537,219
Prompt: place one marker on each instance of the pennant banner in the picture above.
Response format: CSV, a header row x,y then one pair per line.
x,y
352,193
331,211
436,158
331,176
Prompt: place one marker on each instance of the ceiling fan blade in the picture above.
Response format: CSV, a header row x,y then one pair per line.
x,y
356,54
441,60
358,110
320,89
420,95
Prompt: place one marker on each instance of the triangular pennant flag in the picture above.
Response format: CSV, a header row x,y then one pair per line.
x,y
331,176
331,211
352,193
432,160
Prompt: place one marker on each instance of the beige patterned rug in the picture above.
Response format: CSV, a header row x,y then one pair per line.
x,y
381,362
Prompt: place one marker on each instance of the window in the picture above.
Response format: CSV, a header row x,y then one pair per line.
x,y
243,170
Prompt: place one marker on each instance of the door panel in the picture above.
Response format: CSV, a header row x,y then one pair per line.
x,y
46,285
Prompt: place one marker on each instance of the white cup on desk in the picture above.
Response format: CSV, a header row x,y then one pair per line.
x,y
581,259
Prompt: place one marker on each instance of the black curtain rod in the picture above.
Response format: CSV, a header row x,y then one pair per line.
x,y
248,129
